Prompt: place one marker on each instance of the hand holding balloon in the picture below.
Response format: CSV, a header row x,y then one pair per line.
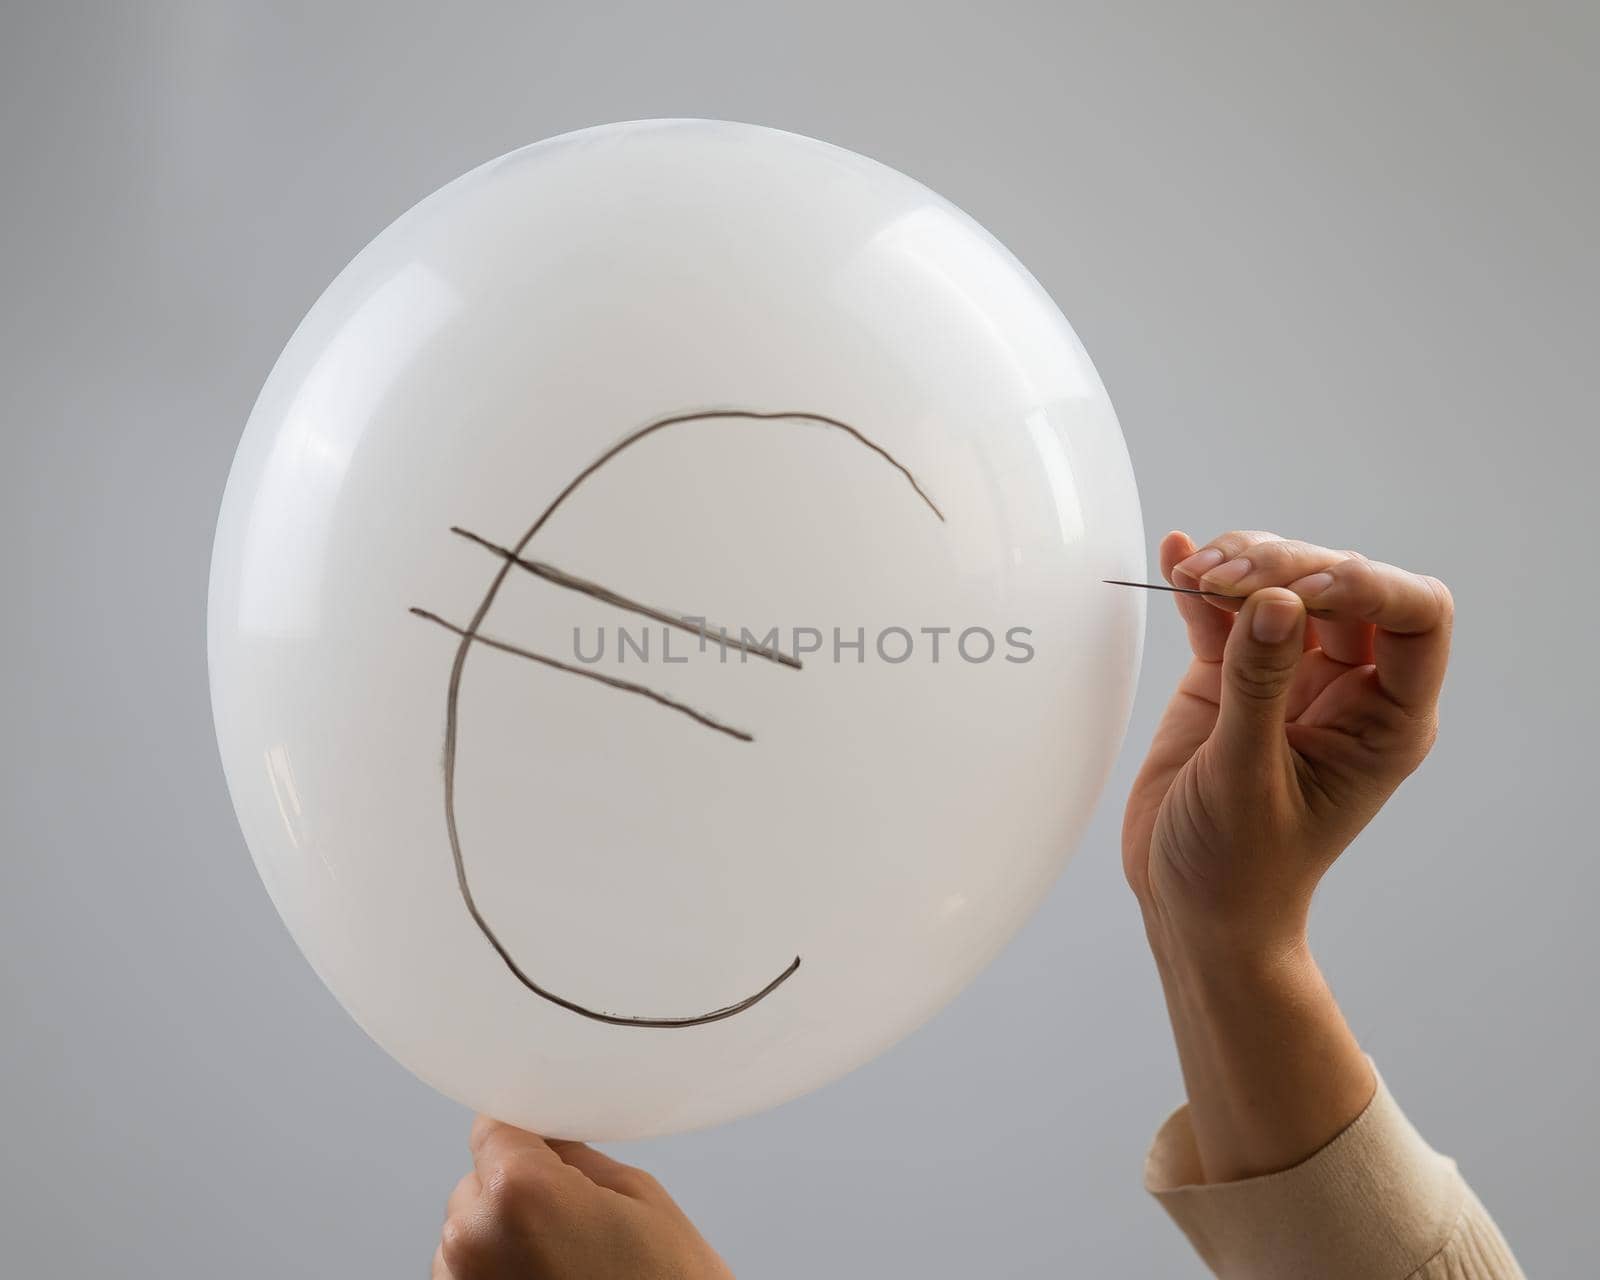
x,y
1284,738
536,1210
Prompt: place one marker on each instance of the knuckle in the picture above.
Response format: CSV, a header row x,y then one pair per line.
x,y
1427,735
464,1250
1358,571
516,1179
1362,592
1270,556
1236,540
1283,553
462,1195
1258,682
639,1181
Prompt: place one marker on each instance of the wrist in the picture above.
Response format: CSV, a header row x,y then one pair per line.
x,y
1270,1066
1222,987
1230,949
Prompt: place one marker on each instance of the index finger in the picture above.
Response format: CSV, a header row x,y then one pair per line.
x,y
1413,615
1208,627
495,1144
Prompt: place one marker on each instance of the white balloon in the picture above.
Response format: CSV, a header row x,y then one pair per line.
x,y
712,371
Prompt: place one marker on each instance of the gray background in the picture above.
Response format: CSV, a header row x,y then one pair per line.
x,y
1335,264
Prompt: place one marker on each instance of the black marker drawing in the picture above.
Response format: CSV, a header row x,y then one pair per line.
x,y
551,574
512,557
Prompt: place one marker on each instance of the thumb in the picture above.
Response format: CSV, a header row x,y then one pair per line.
x,y
1258,666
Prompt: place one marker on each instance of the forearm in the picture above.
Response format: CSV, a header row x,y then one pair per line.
x,y
1291,1159
1272,1070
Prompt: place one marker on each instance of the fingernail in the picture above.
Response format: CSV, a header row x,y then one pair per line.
x,y
1274,620
1227,574
1312,585
1199,562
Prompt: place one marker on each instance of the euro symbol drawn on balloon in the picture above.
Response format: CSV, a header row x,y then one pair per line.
x,y
512,558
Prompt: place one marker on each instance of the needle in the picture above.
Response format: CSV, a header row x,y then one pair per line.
x,y
1191,591
1161,586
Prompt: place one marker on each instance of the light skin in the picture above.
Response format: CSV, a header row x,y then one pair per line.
x,y
532,1209
1286,735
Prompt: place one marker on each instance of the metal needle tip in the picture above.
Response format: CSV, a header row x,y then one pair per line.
x,y
1161,586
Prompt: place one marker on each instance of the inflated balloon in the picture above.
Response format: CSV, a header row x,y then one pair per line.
x,y
656,634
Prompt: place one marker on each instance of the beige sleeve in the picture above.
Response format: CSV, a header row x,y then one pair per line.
x,y
1376,1203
